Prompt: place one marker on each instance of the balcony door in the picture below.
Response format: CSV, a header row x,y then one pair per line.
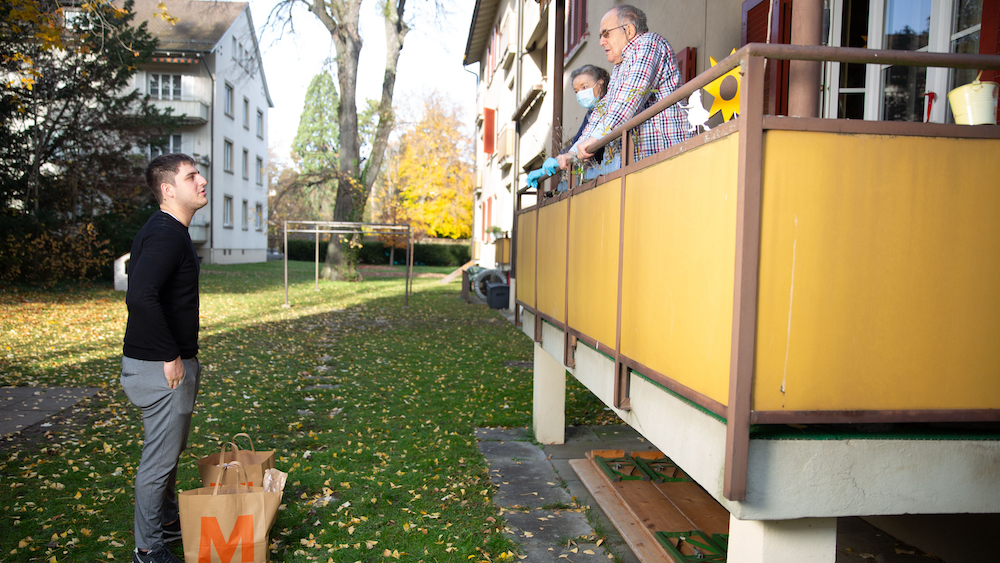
x,y
898,93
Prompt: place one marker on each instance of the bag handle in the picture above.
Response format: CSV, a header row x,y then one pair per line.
x,y
222,474
247,436
235,451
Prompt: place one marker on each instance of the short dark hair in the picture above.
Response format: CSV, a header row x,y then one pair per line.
x,y
595,72
163,169
630,14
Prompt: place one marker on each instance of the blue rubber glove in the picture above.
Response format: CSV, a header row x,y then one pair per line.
x,y
551,166
534,176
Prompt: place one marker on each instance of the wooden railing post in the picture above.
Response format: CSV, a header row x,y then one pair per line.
x,y
741,362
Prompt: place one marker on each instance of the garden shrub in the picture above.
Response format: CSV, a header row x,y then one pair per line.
x,y
377,253
35,252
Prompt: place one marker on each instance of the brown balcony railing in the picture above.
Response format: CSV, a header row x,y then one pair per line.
x,y
785,270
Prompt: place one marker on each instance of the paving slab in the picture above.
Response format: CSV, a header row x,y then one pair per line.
x,y
21,407
544,505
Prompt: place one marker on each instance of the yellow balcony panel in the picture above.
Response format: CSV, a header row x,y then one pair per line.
x,y
525,287
678,267
595,219
552,259
879,274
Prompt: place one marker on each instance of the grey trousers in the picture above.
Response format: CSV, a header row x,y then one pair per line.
x,y
166,420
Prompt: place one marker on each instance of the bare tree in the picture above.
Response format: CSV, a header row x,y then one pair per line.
x,y
356,175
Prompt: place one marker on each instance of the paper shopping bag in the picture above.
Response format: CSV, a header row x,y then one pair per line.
x,y
227,524
253,461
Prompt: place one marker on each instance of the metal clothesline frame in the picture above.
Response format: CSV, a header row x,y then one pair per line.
x,y
318,228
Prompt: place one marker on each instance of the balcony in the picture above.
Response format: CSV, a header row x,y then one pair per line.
x,y
781,271
195,112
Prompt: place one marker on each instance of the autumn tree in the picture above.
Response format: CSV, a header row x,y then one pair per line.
x,y
386,205
70,118
435,172
70,121
357,172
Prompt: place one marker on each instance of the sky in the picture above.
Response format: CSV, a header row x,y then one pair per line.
x,y
431,59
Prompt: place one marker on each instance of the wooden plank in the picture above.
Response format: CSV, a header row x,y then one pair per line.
x,y
649,508
639,539
703,511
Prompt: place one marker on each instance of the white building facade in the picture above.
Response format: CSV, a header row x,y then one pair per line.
x,y
208,68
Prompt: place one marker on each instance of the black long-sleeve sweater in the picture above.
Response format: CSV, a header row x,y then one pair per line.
x,y
162,295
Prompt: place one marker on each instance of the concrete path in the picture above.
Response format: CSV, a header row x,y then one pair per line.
x,y
21,407
547,509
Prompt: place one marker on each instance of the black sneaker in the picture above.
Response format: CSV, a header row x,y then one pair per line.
x,y
160,555
171,531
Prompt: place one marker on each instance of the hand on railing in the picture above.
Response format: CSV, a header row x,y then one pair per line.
x,y
549,168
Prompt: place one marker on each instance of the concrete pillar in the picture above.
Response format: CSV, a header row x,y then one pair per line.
x,y
806,540
804,76
548,413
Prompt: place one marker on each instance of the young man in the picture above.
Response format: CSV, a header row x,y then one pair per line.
x,y
645,72
160,370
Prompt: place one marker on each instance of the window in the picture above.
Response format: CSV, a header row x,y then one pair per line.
x,y
246,215
227,103
258,217
172,145
966,25
165,86
260,171
227,212
246,113
576,24
260,124
895,92
227,156
234,48
246,164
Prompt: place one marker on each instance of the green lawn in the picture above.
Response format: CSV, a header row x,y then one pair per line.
x,y
367,404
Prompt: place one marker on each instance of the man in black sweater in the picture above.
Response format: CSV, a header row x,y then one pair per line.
x,y
160,370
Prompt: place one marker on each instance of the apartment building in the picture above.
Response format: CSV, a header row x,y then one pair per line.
x,y
797,307
208,68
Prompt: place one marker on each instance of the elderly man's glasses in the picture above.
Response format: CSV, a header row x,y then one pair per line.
x,y
605,33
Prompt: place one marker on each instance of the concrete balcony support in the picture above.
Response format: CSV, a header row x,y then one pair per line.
x,y
806,540
548,419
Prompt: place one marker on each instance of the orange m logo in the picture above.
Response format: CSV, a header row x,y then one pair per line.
x,y
212,534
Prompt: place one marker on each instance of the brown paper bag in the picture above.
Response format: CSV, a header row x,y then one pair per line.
x,y
224,525
253,461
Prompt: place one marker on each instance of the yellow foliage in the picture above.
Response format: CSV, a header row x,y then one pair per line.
x,y
433,172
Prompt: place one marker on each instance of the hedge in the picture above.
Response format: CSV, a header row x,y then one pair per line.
x,y
375,252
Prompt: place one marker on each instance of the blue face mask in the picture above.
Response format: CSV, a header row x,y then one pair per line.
x,y
586,98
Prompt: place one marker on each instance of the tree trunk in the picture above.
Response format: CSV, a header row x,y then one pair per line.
x,y
356,178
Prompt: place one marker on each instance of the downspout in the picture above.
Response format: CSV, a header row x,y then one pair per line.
x,y
557,77
804,77
518,78
472,242
211,161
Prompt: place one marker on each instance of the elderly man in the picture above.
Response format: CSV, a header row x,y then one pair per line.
x,y
645,72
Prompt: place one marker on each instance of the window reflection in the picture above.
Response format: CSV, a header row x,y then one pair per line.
x,y
907,28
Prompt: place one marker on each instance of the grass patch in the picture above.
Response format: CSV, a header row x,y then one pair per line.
x,y
370,407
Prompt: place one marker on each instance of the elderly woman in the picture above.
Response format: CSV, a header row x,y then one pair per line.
x,y
590,84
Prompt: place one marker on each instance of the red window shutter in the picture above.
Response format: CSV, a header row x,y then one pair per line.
x,y
489,130
754,30
687,60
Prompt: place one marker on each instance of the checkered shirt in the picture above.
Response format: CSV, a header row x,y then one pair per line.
x,y
647,74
